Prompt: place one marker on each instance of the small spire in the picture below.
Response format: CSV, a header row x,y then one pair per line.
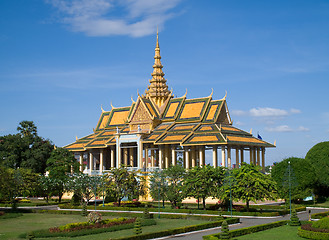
x,y
158,89
157,45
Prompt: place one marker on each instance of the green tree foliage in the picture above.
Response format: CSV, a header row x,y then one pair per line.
x,y
17,182
251,185
302,178
202,182
318,156
61,165
158,186
175,178
125,184
25,149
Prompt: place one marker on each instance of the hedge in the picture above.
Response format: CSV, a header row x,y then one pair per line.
x,y
312,235
264,213
320,215
177,230
128,214
46,234
248,230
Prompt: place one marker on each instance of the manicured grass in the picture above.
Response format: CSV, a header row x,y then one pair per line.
x,y
282,233
12,228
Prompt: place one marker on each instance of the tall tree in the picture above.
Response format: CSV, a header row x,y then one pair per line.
x,y
318,156
61,165
158,186
251,185
174,192
199,183
25,149
302,178
125,184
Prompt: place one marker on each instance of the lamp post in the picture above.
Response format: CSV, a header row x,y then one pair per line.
x,y
289,181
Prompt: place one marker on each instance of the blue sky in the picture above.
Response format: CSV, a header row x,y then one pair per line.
x,y
61,60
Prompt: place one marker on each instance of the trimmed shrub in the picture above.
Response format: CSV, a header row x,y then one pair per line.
x,y
178,230
225,231
94,217
75,200
312,235
322,223
138,227
248,230
84,211
320,215
294,220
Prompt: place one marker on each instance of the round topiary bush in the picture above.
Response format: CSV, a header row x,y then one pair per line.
x,y
318,156
322,223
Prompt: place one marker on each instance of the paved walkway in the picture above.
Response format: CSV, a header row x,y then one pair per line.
x,y
245,222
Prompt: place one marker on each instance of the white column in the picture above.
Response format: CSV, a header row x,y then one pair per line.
x,y
101,160
201,155
131,157
146,152
112,157
229,165
258,156
160,157
251,155
152,158
223,156
166,150
237,157
91,162
187,158
173,155
140,154
193,155
263,159
81,161
214,156
118,155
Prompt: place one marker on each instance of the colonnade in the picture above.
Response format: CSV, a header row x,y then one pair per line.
x,y
163,156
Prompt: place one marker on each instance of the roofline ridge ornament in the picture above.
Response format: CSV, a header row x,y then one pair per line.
x,y
212,91
102,108
250,130
184,96
112,106
76,138
132,99
224,98
274,143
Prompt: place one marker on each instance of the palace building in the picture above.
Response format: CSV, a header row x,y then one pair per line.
x,y
158,127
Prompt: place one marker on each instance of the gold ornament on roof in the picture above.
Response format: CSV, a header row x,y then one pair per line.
x,y
158,89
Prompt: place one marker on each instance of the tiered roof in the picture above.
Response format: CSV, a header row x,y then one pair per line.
x,y
163,119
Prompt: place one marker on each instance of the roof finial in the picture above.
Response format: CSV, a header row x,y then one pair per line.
x,y
157,45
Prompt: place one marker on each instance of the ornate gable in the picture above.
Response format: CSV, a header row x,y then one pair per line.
x,y
144,116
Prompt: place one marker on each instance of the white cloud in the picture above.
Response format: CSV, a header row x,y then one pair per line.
x,y
286,128
267,112
238,123
282,128
238,112
295,111
106,17
303,129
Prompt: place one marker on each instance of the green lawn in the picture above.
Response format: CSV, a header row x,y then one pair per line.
x,y
12,228
282,233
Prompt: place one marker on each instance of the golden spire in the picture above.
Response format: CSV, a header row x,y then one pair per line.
x,y
158,89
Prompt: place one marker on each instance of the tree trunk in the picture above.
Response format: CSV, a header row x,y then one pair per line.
x,y
247,203
204,203
163,203
198,203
